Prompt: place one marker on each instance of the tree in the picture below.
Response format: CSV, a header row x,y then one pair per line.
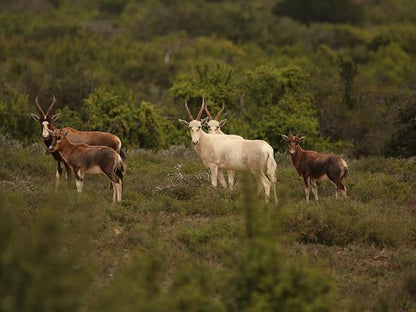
x,y
331,11
263,281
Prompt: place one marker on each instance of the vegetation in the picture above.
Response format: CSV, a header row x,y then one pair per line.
x,y
176,244
338,72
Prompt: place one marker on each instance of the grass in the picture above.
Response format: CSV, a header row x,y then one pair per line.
x,y
365,244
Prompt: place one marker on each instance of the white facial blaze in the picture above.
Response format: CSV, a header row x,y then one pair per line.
x,y
213,126
292,148
195,128
45,132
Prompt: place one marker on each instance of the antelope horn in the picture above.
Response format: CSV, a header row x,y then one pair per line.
x,y
188,111
38,105
51,106
220,112
201,109
207,112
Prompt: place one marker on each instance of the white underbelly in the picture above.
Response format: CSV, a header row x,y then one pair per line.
x,y
236,166
323,178
94,170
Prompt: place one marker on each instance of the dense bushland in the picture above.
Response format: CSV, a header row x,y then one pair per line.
x,y
344,80
175,243
127,66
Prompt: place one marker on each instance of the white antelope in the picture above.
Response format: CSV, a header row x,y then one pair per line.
x,y
222,152
88,137
214,127
313,166
84,158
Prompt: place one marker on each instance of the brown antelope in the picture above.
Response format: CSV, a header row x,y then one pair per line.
x,y
214,127
88,137
313,166
84,158
223,152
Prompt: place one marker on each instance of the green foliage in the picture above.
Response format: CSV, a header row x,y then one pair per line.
x,y
403,142
214,81
38,269
118,114
176,244
347,72
247,54
332,11
14,114
265,282
278,105
392,65
346,223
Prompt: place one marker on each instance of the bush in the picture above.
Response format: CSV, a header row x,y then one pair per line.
x,y
39,270
139,126
262,280
332,11
403,140
343,222
277,104
15,114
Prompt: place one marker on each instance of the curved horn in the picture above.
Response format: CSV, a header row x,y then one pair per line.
x,y
188,111
220,112
38,105
207,111
51,106
201,109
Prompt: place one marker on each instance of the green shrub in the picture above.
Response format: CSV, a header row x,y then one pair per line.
x,y
139,126
262,280
403,140
39,270
345,222
15,114
332,11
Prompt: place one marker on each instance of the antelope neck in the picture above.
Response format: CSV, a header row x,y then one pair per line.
x,y
297,155
65,149
201,139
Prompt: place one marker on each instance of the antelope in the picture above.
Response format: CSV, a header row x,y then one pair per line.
x,y
214,127
223,152
89,137
313,166
84,158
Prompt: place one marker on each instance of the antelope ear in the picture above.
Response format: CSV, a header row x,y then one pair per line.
x,y
222,122
55,117
204,121
301,138
184,122
50,132
285,137
65,134
35,117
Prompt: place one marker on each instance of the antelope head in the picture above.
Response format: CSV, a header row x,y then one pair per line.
x,y
45,119
214,124
194,125
293,142
57,136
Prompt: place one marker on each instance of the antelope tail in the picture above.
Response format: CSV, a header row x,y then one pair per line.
x,y
122,154
271,167
120,170
344,168
271,173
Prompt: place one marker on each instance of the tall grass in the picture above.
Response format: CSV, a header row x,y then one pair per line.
x,y
175,243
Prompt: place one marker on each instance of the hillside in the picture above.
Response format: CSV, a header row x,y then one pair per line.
x,y
337,71
176,244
